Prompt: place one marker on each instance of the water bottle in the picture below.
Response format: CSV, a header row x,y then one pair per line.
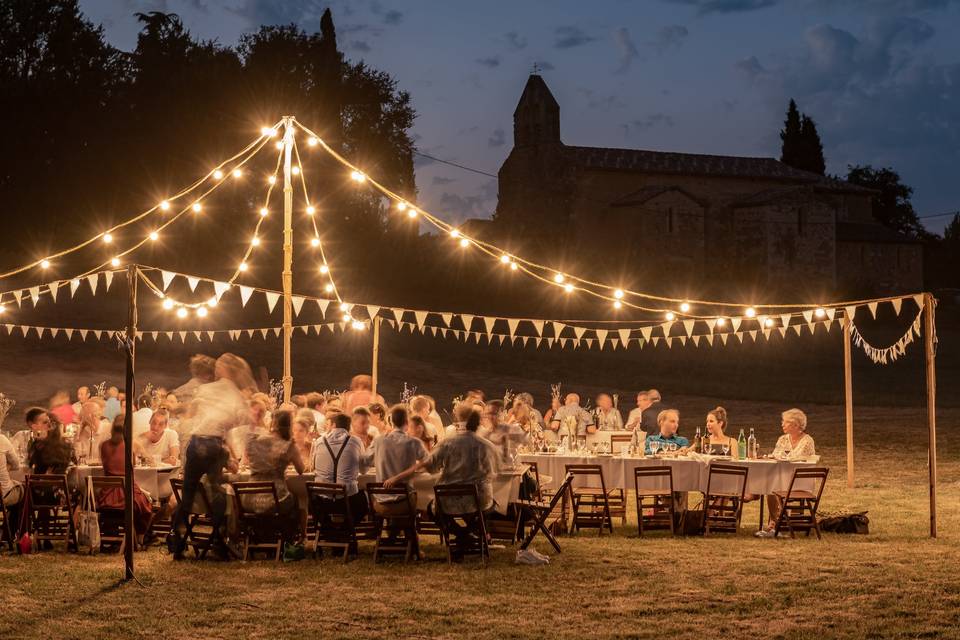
x,y
697,443
752,446
741,445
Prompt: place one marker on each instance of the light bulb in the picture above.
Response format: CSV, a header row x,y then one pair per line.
x,y
559,278
820,312
255,242
617,304
3,308
344,306
314,242
268,131
324,269
768,322
202,312
271,179
168,303
347,317
464,242
197,207
454,233
243,266
670,316
217,175
751,312
115,262
181,313
295,171
264,211
312,141
505,259
44,264
358,325
721,322
618,294
237,173
568,287
212,302
328,288
513,266
154,235
684,306
311,210
412,213
164,205
278,144
108,238
401,206
356,176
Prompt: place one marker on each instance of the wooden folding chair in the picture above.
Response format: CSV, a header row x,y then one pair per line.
x,y
51,512
404,523
200,534
798,510
475,543
659,502
7,534
112,522
722,509
622,439
541,511
558,519
592,508
259,530
332,518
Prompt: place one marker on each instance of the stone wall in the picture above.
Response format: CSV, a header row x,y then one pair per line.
x,y
880,268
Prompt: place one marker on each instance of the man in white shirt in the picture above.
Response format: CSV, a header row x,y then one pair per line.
x,y
83,394
159,444
392,454
633,419
141,417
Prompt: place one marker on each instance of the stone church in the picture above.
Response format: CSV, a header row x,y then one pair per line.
x,y
686,224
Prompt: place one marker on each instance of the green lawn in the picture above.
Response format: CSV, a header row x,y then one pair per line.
x,y
894,583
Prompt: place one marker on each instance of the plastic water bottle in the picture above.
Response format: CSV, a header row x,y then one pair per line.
x,y
752,446
742,445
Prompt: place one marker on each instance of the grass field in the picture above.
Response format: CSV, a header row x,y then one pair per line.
x,y
893,583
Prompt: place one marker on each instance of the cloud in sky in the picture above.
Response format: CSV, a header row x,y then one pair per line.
x,y
515,41
626,49
491,63
672,35
570,36
498,138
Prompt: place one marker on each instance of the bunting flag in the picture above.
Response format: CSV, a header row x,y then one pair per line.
x,y
193,282
421,317
735,323
889,354
220,288
167,278
34,295
897,303
512,324
872,306
557,328
808,316
919,300
785,319
624,336
107,279
489,324
447,318
538,327
723,337
245,293
850,312
578,332
688,326
398,315
646,332
373,310
323,303
53,286
831,313
272,299
467,321
74,285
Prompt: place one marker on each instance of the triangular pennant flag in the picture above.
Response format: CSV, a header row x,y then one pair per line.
x,y
783,331
918,299
735,323
896,302
373,310
193,282
53,333
297,303
501,338
421,317
827,324
272,299
444,331
525,340
153,334
601,336
723,337
538,326
398,315
557,328
873,309
683,340
624,336
831,313
645,332
766,333
709,338
34,295
53,286
467,320
669,343
696,341
183,337
198,336
83,334
210,335
489,323
550,342
539,340
330,326
667,326
69,333
711,324
169,335
798,328
107,279
655,341
589,342
245,293
17,295
688,326
850,312
220,288
323,303
447,318
433,331
263,333
476,336
74,285
167,278
739,337
785,319
276,332
808,315
579,331
97,333
512,324
813,327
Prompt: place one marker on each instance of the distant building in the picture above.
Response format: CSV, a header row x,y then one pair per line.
x,y
667,221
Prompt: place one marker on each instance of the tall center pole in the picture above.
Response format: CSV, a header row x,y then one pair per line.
x,y
287,255
848,397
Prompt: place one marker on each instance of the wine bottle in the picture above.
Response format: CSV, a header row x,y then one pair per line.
x,y
741,445
752,446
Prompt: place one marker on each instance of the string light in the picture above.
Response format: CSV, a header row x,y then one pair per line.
x,y
243,266
295,171
167,304
618,294
108,238
750,312
237,173
357,176
268,131
212,302
721,322
454,233
558,278
263,212
359,325
347,317
568,288
271,179
278,144
256,241
820,312
344,306
154,235
197,207
312,141
324,269
328,288
685,307
202,312
513,266
311,210
464,242
181,313
217,175
115,262
617,304
401,206
164,205
670,315
412,213
44,264
505,259
314,242
768,322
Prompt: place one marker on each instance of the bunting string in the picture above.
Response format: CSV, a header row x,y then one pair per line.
x,y
887,355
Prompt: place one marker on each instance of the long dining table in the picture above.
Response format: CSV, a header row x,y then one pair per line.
x,y
153,480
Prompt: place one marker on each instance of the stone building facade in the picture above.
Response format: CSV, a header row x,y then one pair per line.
x,y
681,222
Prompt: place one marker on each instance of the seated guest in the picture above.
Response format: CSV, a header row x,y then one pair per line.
x,y
716,427
301,430
506,437
550,430
11,491
141,417
417,428
667,422
464,458
202,371
524,417
360,426
633,419
572,420
62,408
378,417
111,408
526,400
421,407
269,453
316,403
86,441
607,417
48,452
434,419
338,458
361,393
300,400
794,444
490,417
392,454
83,394
112,454
460,414
650,415
159,444
238,437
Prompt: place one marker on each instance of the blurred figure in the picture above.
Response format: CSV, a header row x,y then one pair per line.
x,y
202,371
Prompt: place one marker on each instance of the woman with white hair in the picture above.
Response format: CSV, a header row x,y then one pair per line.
x,y
794,444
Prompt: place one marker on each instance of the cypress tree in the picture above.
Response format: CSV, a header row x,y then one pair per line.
x,y
791,150
811,147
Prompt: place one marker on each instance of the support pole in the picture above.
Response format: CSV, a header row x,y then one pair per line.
x,y
376,353
129,537
929,338
848,397
287,255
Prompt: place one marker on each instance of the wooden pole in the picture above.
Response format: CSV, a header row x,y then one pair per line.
x,y
929,336
287,256
376,352
848,397
129,538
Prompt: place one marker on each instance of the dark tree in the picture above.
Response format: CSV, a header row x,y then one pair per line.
x,y
811,147
951,233
791,149
891,204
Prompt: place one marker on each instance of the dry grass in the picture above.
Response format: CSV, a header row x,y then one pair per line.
x,y
894,583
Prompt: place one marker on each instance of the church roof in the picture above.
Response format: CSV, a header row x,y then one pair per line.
x,y
535,91
645,194
686,163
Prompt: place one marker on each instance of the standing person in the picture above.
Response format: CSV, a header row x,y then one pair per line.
x,y
62,409
648,418
338,458
217,407
607,416
633,419
202,371
361,393
572,420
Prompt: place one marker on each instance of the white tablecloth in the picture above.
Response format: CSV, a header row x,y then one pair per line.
x,y
689,473
153,480
506,487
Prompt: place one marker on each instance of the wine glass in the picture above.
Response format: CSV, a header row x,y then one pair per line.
x,y
654,447
725,447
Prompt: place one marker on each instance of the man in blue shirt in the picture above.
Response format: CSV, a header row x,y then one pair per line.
x,y
669,421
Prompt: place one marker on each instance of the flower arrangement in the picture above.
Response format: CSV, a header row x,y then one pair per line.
x,y
407,394
6,404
